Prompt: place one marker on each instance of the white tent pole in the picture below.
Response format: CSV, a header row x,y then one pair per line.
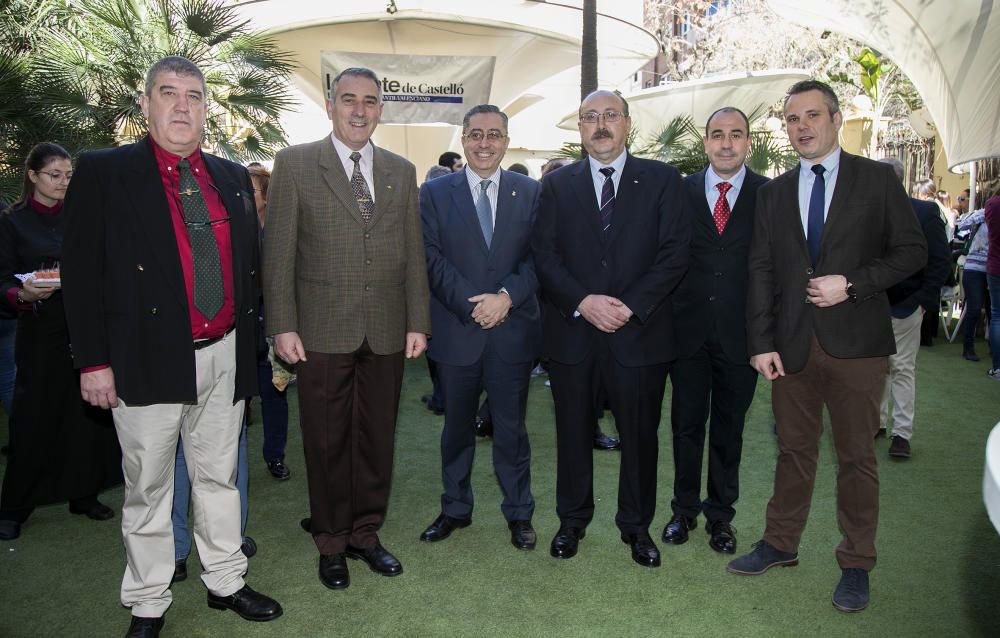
x,y
972,187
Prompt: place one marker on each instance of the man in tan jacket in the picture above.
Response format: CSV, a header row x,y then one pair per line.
x,y
345,287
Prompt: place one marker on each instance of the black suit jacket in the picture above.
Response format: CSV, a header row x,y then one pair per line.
x,y
871,236
640,263
460,266
713,294
126,303
923,288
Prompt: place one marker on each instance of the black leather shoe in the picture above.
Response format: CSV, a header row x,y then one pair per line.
x,y
604,442
180,572
9,530
306,525
644,551
144,627
522,535
249,546
333,571
722,537
279,470
378,558
428,400
566,542
484,427
442,527
249,604
676,531
97,512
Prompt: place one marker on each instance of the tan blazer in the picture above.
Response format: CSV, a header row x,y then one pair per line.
x,y
327,275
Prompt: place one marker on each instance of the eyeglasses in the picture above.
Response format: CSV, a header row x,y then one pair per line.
x,y
57,176
610,117
477,136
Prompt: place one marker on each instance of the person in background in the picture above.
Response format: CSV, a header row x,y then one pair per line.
x,y
61,449
517,167
926,191
948,212
451,161
974,282
992,219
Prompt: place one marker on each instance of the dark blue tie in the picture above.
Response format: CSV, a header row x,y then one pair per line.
x,y
817,202
607,200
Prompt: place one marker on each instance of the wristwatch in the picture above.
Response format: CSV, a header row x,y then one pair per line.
x,y
852,294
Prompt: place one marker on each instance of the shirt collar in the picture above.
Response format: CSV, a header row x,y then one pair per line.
x,y
712,179
618,164
831,162
169,160
344,151
475,179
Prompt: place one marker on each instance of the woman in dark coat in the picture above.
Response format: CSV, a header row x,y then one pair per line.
x,y
61,449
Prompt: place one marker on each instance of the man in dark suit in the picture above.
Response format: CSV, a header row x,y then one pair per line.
x,y
830,236
910,299
712,375
159,269
485,318
610,244
345,285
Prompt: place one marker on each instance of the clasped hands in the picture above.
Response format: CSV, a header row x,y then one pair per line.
x,y
827,291
606,313
491,309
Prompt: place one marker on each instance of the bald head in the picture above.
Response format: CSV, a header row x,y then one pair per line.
x,y
604,125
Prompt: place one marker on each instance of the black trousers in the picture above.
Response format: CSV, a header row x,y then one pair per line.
x,y
709,387
636,396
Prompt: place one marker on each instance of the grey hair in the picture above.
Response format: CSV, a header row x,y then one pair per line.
x,y
357,72
483,108
174,64
896,165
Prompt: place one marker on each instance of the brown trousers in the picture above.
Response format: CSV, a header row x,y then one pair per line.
x,y
851,389
347,411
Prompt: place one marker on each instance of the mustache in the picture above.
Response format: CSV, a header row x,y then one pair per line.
x,y
600,133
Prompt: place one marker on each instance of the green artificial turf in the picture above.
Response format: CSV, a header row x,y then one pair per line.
x,y
937,573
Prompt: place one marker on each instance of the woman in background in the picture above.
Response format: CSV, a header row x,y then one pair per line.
x,y
61,449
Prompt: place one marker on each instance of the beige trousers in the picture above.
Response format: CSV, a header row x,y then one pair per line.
x,y
901,384
209,430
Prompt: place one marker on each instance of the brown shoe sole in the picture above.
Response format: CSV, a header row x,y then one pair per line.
x,y
782,563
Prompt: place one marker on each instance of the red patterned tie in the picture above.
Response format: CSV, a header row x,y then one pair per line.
x,y
721,212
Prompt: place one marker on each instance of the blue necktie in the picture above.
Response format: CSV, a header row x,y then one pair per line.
x,y
817,202
485,212
607,200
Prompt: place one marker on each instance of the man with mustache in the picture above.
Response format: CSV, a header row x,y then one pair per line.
x,y
161,284
610,244
830,236
712,379
345,286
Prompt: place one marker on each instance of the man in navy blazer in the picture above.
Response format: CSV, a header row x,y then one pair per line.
x,y
712,375
909,300
610,245
485,320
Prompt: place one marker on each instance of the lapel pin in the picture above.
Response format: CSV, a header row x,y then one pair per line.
x,y
388,186
635,181
513,193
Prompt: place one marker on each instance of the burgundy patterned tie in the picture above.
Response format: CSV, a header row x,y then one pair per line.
x,y
721,212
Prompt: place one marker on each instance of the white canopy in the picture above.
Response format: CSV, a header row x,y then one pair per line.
x,y
948,48
654,107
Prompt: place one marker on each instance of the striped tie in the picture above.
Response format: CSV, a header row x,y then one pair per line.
x,y
607,200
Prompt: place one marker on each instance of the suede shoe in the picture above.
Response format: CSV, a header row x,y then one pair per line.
x,y
899,448
442,527
722,536
279,470
522,535
249,604
378,558
763,557
9,530
333,571
566,542
676,531
644,552
144,627
96,512
180,572
248,546
852,591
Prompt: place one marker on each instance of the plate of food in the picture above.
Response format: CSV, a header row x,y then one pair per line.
x,y
42,278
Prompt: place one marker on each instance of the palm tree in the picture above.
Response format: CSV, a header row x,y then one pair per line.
x,y
83,67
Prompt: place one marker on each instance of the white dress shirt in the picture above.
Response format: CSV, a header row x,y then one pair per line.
x,y
366,163
712,180
595,172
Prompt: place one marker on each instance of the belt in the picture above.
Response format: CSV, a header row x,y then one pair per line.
x,y
204,343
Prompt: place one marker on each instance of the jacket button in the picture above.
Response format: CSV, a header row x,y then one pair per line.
x,y
367,287
604,263
153,311
368,235
718,273
249,311
252,272
368,262
809,271
139,267
712,298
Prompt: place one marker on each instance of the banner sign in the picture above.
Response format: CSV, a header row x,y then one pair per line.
x,y
419,89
